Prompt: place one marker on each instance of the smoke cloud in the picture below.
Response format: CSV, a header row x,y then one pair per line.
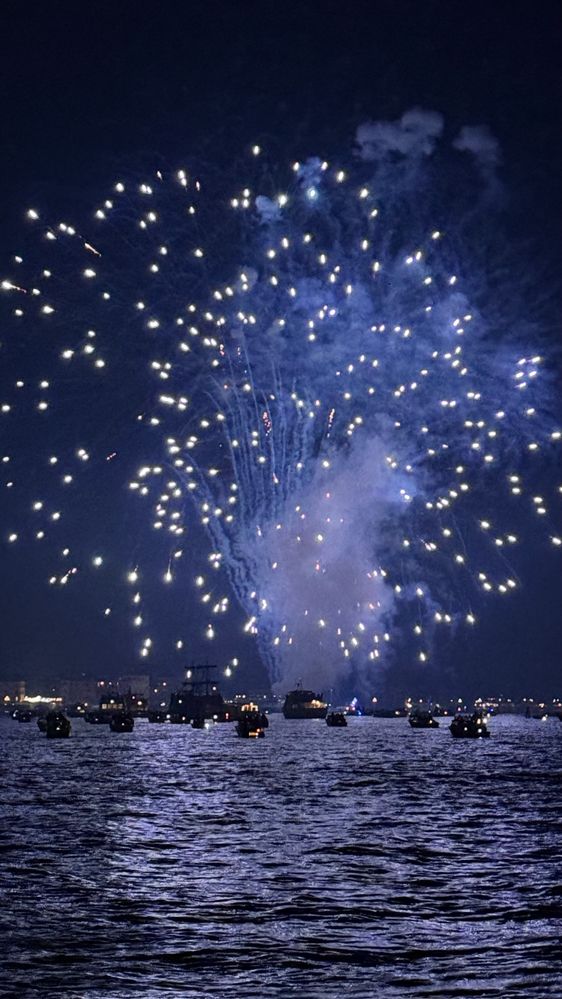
x,y
415,134
327,582
480,143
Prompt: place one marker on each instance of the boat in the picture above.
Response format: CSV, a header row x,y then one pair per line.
x,y
22,716
122,721
249,725
198,697
42,723
336,719
178,719
108,707
249,709
198,723
135,705
58,725
469,727
300,703
157,717
422,718
97,717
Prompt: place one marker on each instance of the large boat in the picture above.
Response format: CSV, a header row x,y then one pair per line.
x,y
300,703
198,697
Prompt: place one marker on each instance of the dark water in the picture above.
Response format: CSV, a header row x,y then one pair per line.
x,y
369,861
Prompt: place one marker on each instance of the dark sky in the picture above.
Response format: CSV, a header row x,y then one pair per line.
x,y
84,84
87,87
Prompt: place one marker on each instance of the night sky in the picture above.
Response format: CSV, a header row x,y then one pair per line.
x,y
89,89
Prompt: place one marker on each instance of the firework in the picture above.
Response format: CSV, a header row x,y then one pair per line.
x,y
292,364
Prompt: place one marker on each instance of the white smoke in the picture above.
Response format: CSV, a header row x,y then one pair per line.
x,y
327,586
480,143
268,210
414,134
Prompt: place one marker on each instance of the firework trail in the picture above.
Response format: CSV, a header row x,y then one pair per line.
x,y
297,358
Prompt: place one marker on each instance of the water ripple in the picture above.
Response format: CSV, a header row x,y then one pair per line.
x,y
369,862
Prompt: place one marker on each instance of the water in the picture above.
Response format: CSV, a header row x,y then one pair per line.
x,y
371,861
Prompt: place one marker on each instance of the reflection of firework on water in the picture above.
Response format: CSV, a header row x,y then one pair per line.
x,y
323,399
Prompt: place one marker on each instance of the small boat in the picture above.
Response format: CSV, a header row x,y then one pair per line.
x,y
22,716
58,726
336,719
157,717
251,710
469,727
42,723
97,717
249,726
198,722
422,718
122,721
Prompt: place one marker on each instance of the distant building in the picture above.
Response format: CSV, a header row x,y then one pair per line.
x,y
138,685
82,691
12,691
89,691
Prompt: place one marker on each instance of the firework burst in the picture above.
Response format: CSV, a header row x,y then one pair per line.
x,y
297,362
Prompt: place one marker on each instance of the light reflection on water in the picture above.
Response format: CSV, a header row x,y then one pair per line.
x,y
317,862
